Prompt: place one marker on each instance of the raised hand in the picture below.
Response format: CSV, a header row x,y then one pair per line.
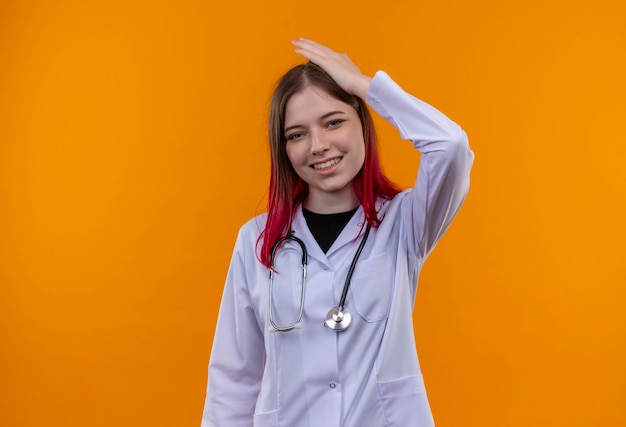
x,y
337,65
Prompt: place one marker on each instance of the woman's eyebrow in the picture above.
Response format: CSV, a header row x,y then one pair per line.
x,y
324,116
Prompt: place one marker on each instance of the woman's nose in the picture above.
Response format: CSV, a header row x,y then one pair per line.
x,y
319,144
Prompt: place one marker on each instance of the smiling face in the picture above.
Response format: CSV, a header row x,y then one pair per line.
x,y
326,148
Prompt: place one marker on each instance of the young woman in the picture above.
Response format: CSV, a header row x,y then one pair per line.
x,y
315,327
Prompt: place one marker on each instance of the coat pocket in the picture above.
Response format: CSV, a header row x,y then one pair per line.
x,y
405,403
371,287
266,419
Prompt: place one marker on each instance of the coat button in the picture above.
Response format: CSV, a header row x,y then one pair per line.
x,y
332,385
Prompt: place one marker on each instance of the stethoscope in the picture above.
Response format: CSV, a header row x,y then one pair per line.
x,y
338,318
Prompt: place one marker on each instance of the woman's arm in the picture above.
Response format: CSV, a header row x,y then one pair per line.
x,y
443,177
237,358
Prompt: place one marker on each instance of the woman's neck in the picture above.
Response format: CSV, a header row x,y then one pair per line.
x,y
328,203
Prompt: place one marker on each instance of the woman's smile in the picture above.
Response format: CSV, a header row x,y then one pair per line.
x,y
327,164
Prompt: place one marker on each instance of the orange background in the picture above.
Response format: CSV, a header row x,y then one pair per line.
x,y
132,147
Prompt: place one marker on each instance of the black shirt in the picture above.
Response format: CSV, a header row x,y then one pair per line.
x,y
326,227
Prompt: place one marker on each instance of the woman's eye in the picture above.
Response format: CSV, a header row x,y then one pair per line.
x,y
294,136
334,123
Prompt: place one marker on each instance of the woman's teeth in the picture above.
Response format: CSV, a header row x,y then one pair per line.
x,y
326,165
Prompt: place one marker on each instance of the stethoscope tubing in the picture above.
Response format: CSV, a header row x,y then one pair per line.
x,y
335,312
305,261
344,292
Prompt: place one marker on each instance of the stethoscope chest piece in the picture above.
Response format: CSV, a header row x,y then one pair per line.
x,y
338,318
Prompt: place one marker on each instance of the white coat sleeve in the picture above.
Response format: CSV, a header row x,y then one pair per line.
x,y
238,354
443,176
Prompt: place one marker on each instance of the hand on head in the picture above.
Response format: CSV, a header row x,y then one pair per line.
x,y
337,65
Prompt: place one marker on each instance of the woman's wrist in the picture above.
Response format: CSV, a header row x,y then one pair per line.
x,y
362,86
